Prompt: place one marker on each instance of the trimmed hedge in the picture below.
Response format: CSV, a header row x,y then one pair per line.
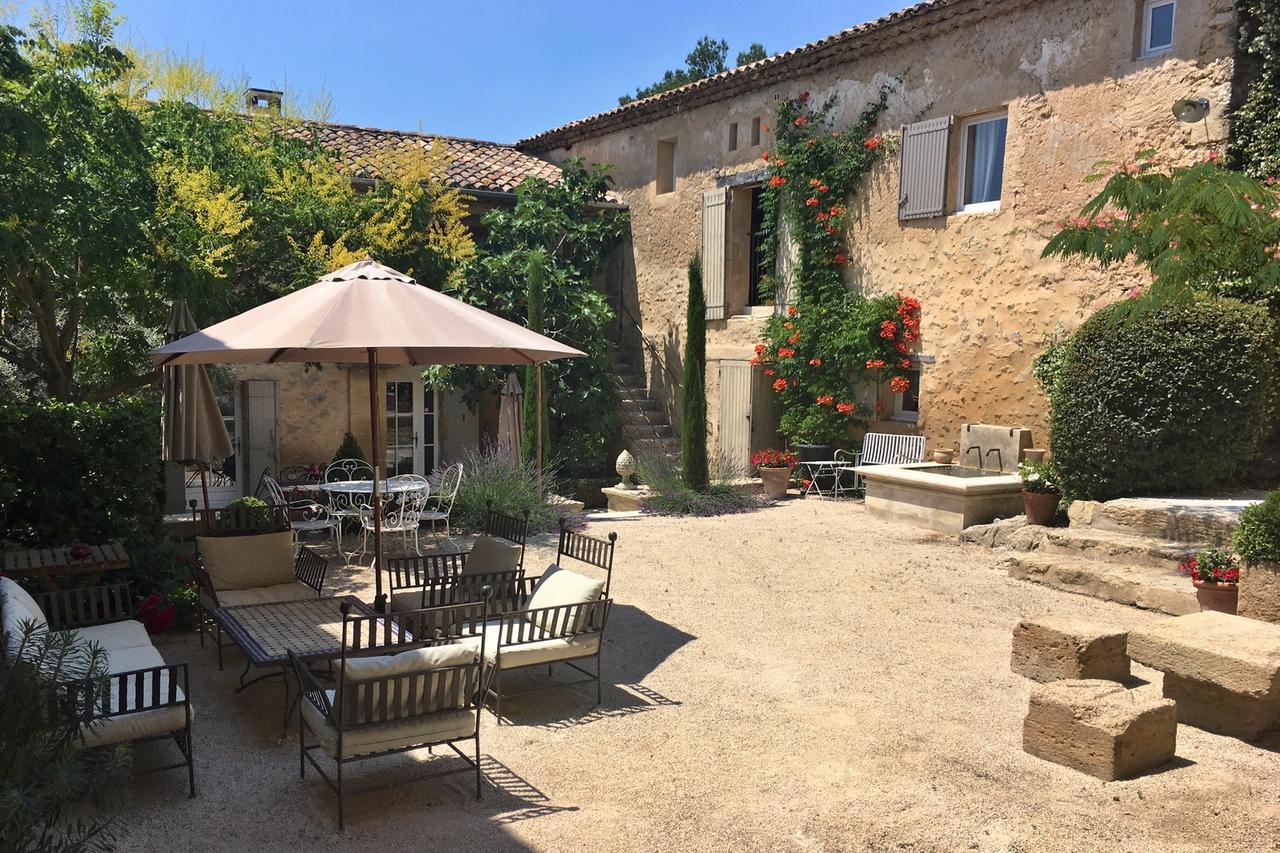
x,y
1162,399
79,472
1257,539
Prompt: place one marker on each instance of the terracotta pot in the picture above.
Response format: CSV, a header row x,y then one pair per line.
x,y
1034,454
1040,508
775,482
942,457
1219,597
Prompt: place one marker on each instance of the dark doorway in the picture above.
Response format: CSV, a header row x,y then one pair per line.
x,y
757,269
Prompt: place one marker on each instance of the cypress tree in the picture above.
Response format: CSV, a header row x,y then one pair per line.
x,y
535,276
693,433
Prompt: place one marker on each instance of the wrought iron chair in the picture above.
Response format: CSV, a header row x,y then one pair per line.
x,y
846,481
442,500
299,475
398,688
313,515
402,515
347,506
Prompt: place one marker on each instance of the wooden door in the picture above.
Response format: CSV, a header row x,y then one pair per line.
x,y
258,444
735,418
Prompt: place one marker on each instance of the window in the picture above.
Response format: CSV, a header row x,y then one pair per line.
x,y
733,136
982,162
1157,27
755,131
906,406
666,166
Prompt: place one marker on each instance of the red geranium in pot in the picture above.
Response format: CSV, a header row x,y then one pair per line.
x,y
1216,576
775,468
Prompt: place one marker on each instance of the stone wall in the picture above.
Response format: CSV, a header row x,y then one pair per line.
x,y
1075,93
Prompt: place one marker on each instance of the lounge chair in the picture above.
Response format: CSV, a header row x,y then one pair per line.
x,y
394,691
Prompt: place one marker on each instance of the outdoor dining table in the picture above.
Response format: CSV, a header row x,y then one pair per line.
x,y
310,628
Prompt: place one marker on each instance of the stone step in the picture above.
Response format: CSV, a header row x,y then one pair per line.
x,y
1110,546
640,405
1186,520
648,430
1137,586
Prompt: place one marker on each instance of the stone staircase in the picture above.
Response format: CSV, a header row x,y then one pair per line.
x,y
645,426
1125,550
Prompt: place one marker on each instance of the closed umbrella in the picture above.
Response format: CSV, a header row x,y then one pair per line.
x,y
509,417
372,313
194,432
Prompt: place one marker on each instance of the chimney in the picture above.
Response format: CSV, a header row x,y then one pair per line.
x,y
262,100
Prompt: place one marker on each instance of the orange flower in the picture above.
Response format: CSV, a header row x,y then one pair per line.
x,y
879,408
813,182
899,385
777,181
820,216
785,352
801,121
815,362
788,326
811,202
825,400
823,188
845,408
831,229
841,258
791,311
905,363
769,371
888,329
875,363
779,385
871,143
836,211
759,349
764,155
809,143
794,339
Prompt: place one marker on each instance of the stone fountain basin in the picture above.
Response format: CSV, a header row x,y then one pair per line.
x,y
940,497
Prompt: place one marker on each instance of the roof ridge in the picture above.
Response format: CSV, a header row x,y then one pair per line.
x,y
416,133
779,61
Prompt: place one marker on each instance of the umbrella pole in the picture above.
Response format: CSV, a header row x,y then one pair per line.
x,y
537,370
379,601
204,489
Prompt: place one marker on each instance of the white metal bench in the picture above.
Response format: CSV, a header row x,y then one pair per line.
x,y
881,448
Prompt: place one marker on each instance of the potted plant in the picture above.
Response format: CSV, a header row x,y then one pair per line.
x,y
1257,542
775,468
1216,575
1040,494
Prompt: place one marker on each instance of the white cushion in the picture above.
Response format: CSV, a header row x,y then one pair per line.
x,y
245,562
407,600
431,728
558,587
18,607
292,591
118,727
491,554
117,635
415,663
540,651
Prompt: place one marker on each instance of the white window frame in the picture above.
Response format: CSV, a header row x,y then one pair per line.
x,y
901,414
965,124
1147,9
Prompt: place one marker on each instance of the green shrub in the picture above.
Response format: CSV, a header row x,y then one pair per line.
x,y
673,496
511,484
349,449
79,472
1172,397
693,430
1257,539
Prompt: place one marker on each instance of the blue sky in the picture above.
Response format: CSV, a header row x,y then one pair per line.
x,y
492,70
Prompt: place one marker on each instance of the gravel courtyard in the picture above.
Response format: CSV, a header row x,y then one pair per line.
x,y
800,678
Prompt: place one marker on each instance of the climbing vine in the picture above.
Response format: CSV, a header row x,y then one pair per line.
x,y
830,338
1255,138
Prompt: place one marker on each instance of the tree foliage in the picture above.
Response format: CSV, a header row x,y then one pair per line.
x,y
577,230
1255,124
706,58
536,274
1201,227
693,431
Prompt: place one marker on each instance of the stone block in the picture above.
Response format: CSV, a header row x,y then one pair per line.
x,y
1100,728
1260,592
1222,670
1051,649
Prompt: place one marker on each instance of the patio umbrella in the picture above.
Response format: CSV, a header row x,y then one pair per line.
x,y
365,312
509,416
194,432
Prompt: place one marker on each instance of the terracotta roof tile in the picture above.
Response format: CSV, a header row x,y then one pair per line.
x,y
368,152
873,36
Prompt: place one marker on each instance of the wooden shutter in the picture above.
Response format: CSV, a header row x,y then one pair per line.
x,y
715,211
922,169
784,267
259,443
735,417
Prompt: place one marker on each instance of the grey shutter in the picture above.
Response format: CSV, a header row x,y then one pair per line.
x,y
715,211
259,444
735,418
922,169
784,268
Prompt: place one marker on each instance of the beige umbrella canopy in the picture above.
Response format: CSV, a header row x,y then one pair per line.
x,y
365,312
510,414
194,431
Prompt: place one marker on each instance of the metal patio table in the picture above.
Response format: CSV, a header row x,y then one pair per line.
x,y
266,633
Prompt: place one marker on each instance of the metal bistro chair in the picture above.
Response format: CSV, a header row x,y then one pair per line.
x,y
314,516
397,688
446,492
846,479
347,506
402,515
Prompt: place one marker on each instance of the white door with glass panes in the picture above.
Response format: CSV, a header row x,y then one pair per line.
x,y
411,435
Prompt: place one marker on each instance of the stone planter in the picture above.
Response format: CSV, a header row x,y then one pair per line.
x,y
1219,597
1034,454
775,482
1040,507
1260,591
942,457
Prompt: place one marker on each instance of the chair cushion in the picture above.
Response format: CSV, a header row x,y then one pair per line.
x,y
542,651
359,699
362,740
119,728
245,562
292,591
558,587
18,606
491,554
408,600
117,636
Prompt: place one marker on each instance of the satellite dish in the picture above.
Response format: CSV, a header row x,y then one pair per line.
x,y
1191,110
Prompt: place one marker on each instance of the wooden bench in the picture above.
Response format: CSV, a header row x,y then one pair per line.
x,y
46,564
